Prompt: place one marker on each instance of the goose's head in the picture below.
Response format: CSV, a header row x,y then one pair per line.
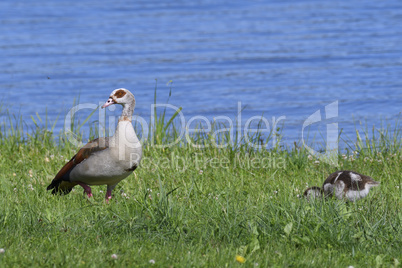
x,y
120,96
313,193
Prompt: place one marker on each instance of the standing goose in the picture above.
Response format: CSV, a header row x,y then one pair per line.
x,y
104,160
343,184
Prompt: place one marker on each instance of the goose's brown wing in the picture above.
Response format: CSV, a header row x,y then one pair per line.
x,y
61,182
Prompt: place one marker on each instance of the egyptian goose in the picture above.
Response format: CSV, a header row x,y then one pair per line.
x,y
343,184
104,160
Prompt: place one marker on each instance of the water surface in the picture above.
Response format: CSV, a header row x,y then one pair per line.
x,y
278,58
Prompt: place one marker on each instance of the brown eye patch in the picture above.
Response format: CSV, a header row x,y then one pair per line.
x,y
120,93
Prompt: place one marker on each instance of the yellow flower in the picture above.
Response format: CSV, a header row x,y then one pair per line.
x,y
240,259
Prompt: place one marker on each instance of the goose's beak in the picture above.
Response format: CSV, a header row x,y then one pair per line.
x,y
109,102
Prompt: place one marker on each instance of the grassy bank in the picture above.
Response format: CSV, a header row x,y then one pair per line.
x,y
189,207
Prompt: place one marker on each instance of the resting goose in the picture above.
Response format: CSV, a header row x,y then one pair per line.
x,y
343,184
104,160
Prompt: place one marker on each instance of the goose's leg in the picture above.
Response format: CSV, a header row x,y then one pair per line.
x,y
87,189
108,195
109,192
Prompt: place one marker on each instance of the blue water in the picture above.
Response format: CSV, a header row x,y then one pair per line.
x,y
278,58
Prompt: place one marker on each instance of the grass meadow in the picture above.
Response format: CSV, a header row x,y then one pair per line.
x,y
190,207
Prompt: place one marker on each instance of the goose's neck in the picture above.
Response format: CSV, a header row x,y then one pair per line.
x,y
127,113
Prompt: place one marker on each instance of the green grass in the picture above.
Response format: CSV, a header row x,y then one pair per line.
x,y
189,207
